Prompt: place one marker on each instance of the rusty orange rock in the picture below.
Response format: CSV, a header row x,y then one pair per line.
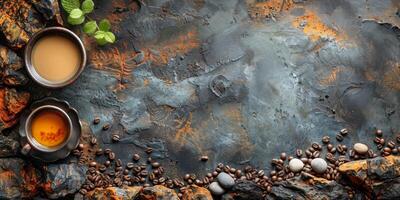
x,y
115,193
196,193
12,102
158,192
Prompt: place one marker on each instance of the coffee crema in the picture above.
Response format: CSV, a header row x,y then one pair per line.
x,y
50,128
56,58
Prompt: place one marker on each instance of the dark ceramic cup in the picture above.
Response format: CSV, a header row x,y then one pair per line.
x,y
59,31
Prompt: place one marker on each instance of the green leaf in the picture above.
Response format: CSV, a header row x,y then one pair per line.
x,y
76,21
90,27
76,13
99,34
69,5
87,6
110,37
104,25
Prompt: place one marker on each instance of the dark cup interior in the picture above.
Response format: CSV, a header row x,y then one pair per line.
x,y
59,31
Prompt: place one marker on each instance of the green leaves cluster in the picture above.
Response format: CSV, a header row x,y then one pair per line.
x,y
77,12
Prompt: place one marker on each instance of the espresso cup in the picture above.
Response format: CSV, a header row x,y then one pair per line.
x,y
58,32
37,141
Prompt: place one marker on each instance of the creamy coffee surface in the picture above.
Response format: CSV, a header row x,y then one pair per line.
x,y
56,58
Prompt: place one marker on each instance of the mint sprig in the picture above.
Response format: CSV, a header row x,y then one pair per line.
x,y
77,12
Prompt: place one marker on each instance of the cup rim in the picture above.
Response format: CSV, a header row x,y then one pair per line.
x,y
61,31
35,144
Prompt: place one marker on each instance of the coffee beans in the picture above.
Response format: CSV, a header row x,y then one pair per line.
x,y
325,139
339,137
106,127
299,152
379,133
93,141
149,150
344,132
136,157
115,138
96,120
204,158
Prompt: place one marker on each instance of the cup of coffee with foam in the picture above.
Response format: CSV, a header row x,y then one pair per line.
x,y
55,57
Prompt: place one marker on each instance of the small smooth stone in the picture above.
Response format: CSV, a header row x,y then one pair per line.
x,y
360,148
296,165
216,189
225,180
319,165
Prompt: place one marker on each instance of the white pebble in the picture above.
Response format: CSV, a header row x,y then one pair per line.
x,y
216,189
319,165
296,165
360,148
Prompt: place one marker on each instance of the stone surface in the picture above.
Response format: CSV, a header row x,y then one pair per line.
x,y
12,102
196,193
111,193
296,165
225,180
360,148
158,192
18,179
307,187
319,165
9,145
377,177
216,189
63,179
245,190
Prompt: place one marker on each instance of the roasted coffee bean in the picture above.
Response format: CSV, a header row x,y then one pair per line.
x,y
352,153
118,169
155,164
204,158
311,149
260,173
111,156
398,138
379,146
127,178
107,151
379,133
339,137
106,127
149,160
161,169
99,152
130,165
93,141
377,140
136,157
333,150
126,172
370,153
83,191
382,141
330,157
238,173
344,132
304,160
340,149
118,163
391,144
329,147
102,168
92,164
387,149
325,139
149,150
81,146
186,177
96,120
316,146
115,138
107,163
308,153
395,151
144,173
152,176
385,153
76,152
316,154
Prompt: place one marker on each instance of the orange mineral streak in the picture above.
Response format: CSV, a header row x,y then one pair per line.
x,y
182,44
266,9
50,128
315,29
391,78
11,104
331,77
185,130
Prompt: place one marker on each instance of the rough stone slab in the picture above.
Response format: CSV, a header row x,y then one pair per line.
x,y
63,179
158,192
110,193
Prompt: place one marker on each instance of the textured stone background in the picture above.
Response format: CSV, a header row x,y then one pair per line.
x,y
293,72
